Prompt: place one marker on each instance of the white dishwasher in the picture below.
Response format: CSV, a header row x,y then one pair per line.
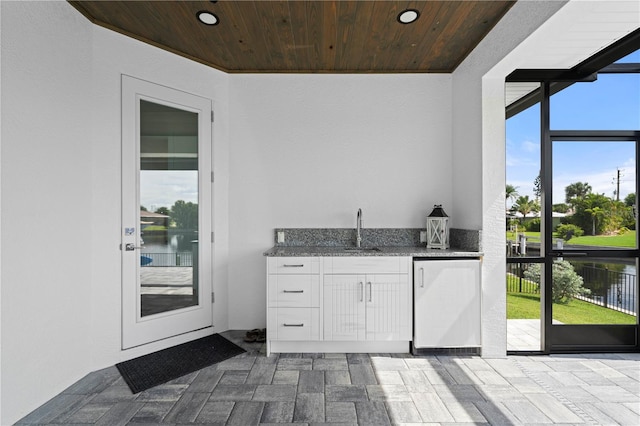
x,y
446,310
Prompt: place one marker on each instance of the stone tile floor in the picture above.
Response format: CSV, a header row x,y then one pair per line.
x,y
523,335
365,389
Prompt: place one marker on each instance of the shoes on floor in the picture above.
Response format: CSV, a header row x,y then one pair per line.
x,y
256,335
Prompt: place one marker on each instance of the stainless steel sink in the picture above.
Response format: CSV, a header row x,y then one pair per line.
x,y
361,249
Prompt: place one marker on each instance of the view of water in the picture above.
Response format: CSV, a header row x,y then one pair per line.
x,y
166,244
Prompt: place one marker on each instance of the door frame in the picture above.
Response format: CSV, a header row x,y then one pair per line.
x,y
568,338
551,81
137,330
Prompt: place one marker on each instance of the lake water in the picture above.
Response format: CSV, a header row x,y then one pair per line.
x,y
162,243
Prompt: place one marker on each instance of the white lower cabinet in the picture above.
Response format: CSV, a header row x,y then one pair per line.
x,y
447,304
293,299
367,300
367,307
339,304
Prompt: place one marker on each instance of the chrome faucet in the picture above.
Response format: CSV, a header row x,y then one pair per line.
x,y
359,228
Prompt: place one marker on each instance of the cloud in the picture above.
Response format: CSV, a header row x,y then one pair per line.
x,y
164,188
520,161
602,182
530,146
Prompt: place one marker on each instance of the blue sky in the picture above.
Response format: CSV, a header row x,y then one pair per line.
x,y
610,103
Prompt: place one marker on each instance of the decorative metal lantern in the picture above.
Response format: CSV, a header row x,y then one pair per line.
x,y
438,228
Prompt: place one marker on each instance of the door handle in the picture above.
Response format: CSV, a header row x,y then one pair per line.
x,y
422,277
131,247
361,291
293,291
370,291
570,254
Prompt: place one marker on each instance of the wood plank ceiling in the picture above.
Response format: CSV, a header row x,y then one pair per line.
x,y
307,36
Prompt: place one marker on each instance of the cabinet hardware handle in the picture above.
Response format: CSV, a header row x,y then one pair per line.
x,y
422,277
361,291
370,291
293,291
293,266
293,325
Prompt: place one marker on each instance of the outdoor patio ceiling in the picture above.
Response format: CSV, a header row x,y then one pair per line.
x,y
307,36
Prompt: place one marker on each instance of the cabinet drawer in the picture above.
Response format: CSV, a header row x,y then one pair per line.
x,y
294,324
294,291
367,265
294,265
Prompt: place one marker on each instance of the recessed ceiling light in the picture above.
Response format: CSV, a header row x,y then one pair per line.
x,y
207,18
408,16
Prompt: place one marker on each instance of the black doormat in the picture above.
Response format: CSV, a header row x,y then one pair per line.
x,y
168,364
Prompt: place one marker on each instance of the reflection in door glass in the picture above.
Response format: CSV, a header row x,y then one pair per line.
x,y
594,199
168,208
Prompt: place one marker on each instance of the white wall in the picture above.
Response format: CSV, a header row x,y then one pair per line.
x,y
0,217
46,203
60,194
309,150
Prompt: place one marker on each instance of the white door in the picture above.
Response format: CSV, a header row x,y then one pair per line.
x,y
447,303
388,304
166,212
344,307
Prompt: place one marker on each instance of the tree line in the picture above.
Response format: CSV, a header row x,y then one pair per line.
x,y
183,215
586,212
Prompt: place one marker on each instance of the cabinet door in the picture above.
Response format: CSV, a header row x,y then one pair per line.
x,y
344,307
388,307
447,303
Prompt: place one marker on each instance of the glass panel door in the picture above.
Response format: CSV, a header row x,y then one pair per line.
x,y
594,256
166,212
168,208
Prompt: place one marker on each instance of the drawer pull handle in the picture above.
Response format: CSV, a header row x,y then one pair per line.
x,y
294,266
293,325
293,291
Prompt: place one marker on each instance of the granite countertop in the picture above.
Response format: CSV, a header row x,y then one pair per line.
x,y
388,241
304,251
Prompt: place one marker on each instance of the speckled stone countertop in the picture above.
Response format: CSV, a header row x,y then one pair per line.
x,y
386,241
303,251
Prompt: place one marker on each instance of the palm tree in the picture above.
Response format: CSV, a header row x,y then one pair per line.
x,y
511,192
577,190
596,213
524,206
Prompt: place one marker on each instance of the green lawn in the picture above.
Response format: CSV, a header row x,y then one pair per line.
x,y
527,306
154,228
511,235
625,240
